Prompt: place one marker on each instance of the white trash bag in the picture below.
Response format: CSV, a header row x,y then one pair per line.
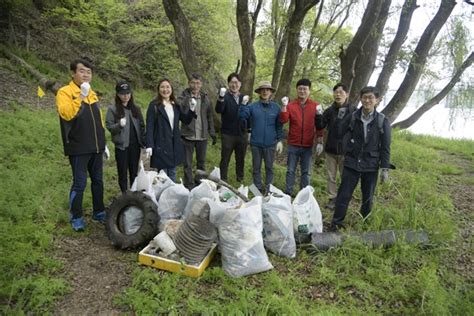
x,y
160,183
172,202
277,211
196,202
240,238
307,217
144,182
216,172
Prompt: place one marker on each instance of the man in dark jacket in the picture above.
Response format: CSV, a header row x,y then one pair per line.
x,y
332,120
367,148
83,140
233,130
196,134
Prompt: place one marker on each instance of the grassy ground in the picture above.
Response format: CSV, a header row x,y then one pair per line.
x,y
351,279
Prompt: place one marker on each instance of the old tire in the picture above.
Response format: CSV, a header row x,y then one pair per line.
x,y
149,224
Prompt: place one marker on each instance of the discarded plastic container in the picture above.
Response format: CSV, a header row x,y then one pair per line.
x,y
165,243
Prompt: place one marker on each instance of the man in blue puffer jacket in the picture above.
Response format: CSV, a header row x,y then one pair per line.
x,y
267,130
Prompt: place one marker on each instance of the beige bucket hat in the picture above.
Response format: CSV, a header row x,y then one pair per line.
x,y
264,85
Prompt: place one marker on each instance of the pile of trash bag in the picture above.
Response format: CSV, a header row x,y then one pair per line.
x,y
212,212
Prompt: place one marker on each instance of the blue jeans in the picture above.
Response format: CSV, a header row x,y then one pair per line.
x,y
268,156
170,172
349,180
303,154
80,165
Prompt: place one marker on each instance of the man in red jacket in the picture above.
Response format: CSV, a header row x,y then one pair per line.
x,y
301,113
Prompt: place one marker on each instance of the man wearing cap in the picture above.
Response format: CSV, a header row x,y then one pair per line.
x,y
83,138
196,134
267,130
301,113
233,130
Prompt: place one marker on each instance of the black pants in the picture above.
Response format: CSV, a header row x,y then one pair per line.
x,y
189,146
237,144
349,180
127,160
81,165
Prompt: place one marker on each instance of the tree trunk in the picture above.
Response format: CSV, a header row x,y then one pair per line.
x,y
350,55
437,98
247,37
418,61
365,64
293,48
391,58
44,82
183,36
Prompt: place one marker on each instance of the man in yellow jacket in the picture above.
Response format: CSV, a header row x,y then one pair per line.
x,y
83,138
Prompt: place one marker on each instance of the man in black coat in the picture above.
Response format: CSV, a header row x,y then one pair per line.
x,y
367,148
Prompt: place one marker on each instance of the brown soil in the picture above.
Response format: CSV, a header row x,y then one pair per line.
x,y
96,272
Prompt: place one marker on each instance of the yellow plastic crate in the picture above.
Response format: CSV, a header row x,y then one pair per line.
x,y
175,266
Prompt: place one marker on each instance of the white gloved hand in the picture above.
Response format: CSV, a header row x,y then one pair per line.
x,y
285,101
383,175
319,110
123,121
222,92
107,153
319,149
192,104
245,100
149,152
85,87
248,137
279,147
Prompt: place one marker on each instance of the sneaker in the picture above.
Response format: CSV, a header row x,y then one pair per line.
x,y
99,217
78,224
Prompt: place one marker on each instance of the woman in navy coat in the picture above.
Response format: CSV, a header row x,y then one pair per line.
x,y
163,137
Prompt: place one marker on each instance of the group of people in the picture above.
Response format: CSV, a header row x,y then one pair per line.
x,y
357,141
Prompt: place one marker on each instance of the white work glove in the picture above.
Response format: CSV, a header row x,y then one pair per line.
x,y
248,137
319,149
279,147
85,87
192,104
319,110
284,102
383,175
149,152
107,153
245,100
123,121
222,92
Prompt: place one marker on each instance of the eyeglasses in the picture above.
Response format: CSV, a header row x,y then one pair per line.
x,y
368,98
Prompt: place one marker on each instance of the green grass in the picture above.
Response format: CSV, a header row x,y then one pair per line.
x,y
352,279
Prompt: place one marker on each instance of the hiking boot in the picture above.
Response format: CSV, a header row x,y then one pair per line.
x,y
78,224
331,204
99,217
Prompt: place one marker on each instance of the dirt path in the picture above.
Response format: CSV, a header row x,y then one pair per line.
x,y
462,194
95,271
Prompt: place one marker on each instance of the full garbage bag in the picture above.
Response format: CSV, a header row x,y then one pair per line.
x,y
172,202
144,182
196,204
307,216
240,237
277,213
160,183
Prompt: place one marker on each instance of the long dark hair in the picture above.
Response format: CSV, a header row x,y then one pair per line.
x,y
159,98
136,113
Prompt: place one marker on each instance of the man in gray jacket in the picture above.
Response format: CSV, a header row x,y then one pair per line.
x,y
196,134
